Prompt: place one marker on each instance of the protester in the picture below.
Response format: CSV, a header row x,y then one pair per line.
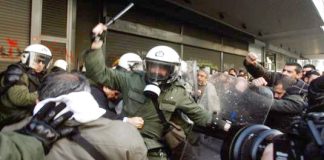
x,y
316,95
128,62
285,106
310,76
207,95
208,148
292,70
111,139
308,67
243,74
232,72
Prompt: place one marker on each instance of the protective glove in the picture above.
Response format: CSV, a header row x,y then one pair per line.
x,y
219,123
45,128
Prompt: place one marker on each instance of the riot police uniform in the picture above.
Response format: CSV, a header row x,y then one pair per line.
x,y
19,92
19,84
173,97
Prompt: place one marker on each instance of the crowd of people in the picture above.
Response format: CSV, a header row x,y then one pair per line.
x,y
139,109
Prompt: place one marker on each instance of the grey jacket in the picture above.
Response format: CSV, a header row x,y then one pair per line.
x,y
209,99
113,139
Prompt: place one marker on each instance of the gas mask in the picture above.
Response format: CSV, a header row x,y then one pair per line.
x,y
152,90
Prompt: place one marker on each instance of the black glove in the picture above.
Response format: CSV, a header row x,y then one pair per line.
x,y
12,75
45,128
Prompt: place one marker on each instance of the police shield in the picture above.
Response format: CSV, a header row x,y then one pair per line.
x,y
239,101
189,76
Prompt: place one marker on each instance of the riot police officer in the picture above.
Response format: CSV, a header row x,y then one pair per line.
x,y
130,62
19,84
162,66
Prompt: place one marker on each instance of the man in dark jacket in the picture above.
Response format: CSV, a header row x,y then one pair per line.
x,y
316,95
310,76
285,105
292,70
108,139
307,68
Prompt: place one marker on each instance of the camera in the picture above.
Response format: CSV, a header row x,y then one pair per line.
x,y
304,141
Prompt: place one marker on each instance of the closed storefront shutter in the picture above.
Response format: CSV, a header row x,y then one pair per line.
x,y
233,61
54,18
14,30
120,43
87,18
204,57
58,49
54,21
4,64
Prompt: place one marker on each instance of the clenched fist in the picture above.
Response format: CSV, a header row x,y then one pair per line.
x,y
251,59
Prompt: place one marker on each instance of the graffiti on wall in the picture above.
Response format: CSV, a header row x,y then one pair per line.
x,y
11,50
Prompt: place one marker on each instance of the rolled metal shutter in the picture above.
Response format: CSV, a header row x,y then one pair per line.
x,y
233,61
120,43
14,30
204,57
54,21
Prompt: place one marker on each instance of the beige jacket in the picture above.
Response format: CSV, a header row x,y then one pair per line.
x,y
115,140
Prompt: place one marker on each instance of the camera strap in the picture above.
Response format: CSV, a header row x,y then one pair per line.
x,y
86,145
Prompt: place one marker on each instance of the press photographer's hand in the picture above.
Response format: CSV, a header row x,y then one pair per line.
x,y
45,128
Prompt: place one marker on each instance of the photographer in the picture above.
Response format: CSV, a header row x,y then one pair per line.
x,y
35,139
308,137
304,141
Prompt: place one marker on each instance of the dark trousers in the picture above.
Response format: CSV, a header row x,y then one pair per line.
x,y
183,151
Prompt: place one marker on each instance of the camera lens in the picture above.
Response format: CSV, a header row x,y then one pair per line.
x,y
247,143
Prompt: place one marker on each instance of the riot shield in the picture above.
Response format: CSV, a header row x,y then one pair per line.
x,y
239,101
235,100
189,75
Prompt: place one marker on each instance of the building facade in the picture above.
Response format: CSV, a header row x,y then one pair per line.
x,y
64,26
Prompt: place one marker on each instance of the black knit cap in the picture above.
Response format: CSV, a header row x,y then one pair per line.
x,y
316,93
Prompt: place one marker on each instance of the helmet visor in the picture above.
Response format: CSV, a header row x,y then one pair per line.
x,y
136,66
158,71
36,58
